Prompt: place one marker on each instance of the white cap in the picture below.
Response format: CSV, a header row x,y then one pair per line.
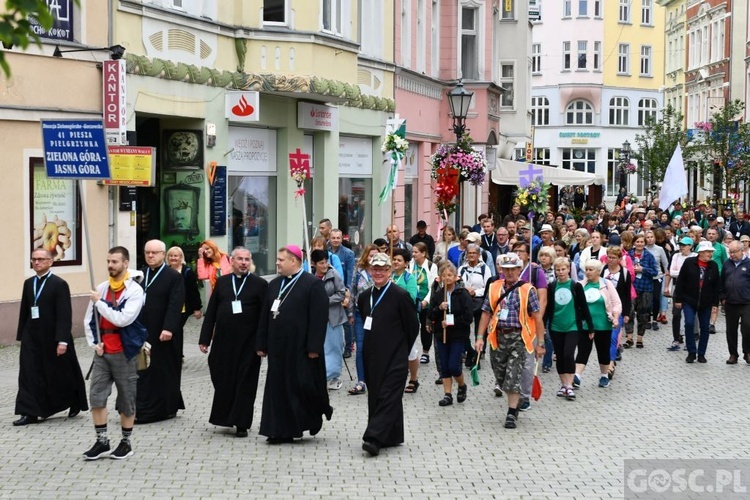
x,y
705,246
546,227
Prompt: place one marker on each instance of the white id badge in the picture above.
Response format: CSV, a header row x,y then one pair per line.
x,y
449,321
236,307
368,323
503,314
275,306
35,312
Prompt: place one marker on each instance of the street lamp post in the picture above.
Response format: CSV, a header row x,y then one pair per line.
x,y
624,160
459,100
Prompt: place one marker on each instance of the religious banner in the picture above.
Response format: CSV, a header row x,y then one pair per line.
x,y
299,170
533,193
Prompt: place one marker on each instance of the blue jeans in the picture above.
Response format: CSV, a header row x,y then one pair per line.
x,y
704,318
334,351
450,357
359,336
549,349
348,335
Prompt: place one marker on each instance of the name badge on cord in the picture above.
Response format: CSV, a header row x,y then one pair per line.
x,y
275,306
35,312
236,307
449,320
503,314
368,323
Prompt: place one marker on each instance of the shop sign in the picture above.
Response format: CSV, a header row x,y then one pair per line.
x,y
132,165
242,106
317,116
115,101
251,150
355,156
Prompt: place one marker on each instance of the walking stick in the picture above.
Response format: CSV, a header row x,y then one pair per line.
x,y
445,311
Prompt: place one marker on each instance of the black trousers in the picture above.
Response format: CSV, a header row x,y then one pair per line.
x,y
735,313
565,347
603,341
424,335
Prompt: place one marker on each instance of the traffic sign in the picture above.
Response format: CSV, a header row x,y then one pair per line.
x,y
75,149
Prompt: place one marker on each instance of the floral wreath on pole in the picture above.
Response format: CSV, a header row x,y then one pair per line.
x,y
534,197
452,164
396,145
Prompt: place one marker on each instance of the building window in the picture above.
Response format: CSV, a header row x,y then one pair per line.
x,y
55,223
717,40
567,8
421,36
435,39
646,12
274,11
332,16
541,156
583,160
613,172
645,60
623,59
536,58
566,55
507,81
646,109
583,8
508,11
598,8
371,37
624,11
406,33
579,113
469,47
582,49
539,110
619,111
597,56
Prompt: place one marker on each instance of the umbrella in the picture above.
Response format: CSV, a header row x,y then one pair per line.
x,y
536,388
475,373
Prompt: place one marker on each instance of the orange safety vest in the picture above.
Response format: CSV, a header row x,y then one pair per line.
x,y
528,327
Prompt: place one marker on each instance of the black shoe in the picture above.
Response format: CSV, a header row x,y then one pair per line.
x,y
97,451
712,329
447,400
702,359
439,381
510,421
26,420
347,354
73,412
241,433
461,397
690,358
747,358
371,447
279,440
122,451
655,325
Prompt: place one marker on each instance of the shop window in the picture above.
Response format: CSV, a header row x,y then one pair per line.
x,y
353,210
253,205
55,215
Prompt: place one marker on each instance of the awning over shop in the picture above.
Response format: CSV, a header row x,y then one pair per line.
x,y
507,174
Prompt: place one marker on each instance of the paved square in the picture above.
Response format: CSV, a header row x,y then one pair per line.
x,y
657,407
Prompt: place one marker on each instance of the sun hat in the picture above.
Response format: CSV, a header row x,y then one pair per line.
x,y
705,246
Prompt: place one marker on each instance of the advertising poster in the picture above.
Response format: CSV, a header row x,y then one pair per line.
x,y
182,198
55,216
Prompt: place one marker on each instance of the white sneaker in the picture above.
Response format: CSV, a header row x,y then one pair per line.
x,y
334,384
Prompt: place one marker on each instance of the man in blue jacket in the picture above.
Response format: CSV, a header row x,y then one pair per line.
x,y
735,277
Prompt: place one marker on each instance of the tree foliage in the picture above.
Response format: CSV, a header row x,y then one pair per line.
x,y
16,29
723,148
655,147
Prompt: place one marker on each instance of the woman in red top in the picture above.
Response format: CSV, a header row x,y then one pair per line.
x,y
212,263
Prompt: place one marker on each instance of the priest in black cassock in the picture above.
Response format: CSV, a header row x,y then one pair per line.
x,y
291,334
230,327
158,396
391,327
49,376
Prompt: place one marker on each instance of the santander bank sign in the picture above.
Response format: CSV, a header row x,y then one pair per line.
x,y
242,106
313,116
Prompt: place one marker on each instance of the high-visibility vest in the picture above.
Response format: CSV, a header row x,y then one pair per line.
x,y
528,326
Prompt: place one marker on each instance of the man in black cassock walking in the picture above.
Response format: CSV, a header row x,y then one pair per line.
x,y
291,334
391,327
230,327
49,376
158,395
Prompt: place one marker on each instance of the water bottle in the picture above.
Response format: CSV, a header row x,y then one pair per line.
x,y
637,262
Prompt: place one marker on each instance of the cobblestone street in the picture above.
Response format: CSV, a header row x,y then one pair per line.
x,y
656,407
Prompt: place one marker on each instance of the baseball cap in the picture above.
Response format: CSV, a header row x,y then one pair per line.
x,y
686,241
473,237
711,216
705,246
720,219
744,237
614,239
509,260
294,250
546,227
380,260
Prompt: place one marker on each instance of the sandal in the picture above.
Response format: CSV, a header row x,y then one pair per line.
x,y
447,399
628,343
424,359
360,388
412,387
461,396
611,372
639,344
